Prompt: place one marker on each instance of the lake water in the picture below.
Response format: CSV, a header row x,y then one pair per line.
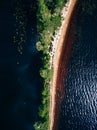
x,y
19,65
19,71
79,106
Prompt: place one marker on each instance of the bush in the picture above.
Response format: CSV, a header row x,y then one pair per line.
x,y
56,20
39,46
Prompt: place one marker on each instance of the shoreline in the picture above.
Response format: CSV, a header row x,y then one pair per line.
x,y
58,32
57,51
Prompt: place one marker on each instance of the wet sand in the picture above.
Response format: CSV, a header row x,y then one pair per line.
x,y
60,61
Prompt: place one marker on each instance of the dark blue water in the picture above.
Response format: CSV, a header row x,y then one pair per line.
x,y
19,65
79,106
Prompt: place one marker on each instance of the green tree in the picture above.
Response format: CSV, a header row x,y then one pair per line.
x,y
39,46
43,13
43,73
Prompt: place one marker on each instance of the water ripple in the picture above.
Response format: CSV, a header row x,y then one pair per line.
x,y
79,106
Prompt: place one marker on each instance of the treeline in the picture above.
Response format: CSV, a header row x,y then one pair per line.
x,y
48,20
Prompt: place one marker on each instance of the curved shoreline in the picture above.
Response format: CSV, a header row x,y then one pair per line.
x,y
56,65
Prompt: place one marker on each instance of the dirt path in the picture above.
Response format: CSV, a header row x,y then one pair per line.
x,y
56,61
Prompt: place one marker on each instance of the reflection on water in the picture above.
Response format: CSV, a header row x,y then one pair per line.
x,y
79,107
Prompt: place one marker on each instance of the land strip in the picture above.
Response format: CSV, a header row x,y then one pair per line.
x,y
58,49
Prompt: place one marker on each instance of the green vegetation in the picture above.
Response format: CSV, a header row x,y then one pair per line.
x,y
48,20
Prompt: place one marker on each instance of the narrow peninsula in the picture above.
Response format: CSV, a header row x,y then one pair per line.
x,y
53,20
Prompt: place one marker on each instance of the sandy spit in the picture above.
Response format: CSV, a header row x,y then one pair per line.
x,y
57,44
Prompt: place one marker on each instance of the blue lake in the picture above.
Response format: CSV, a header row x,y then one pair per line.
x,y
79,106
19,71
20,83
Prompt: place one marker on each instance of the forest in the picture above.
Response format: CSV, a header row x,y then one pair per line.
x,y
48,20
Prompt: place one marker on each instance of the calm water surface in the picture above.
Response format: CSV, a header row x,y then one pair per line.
x,y
19,65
